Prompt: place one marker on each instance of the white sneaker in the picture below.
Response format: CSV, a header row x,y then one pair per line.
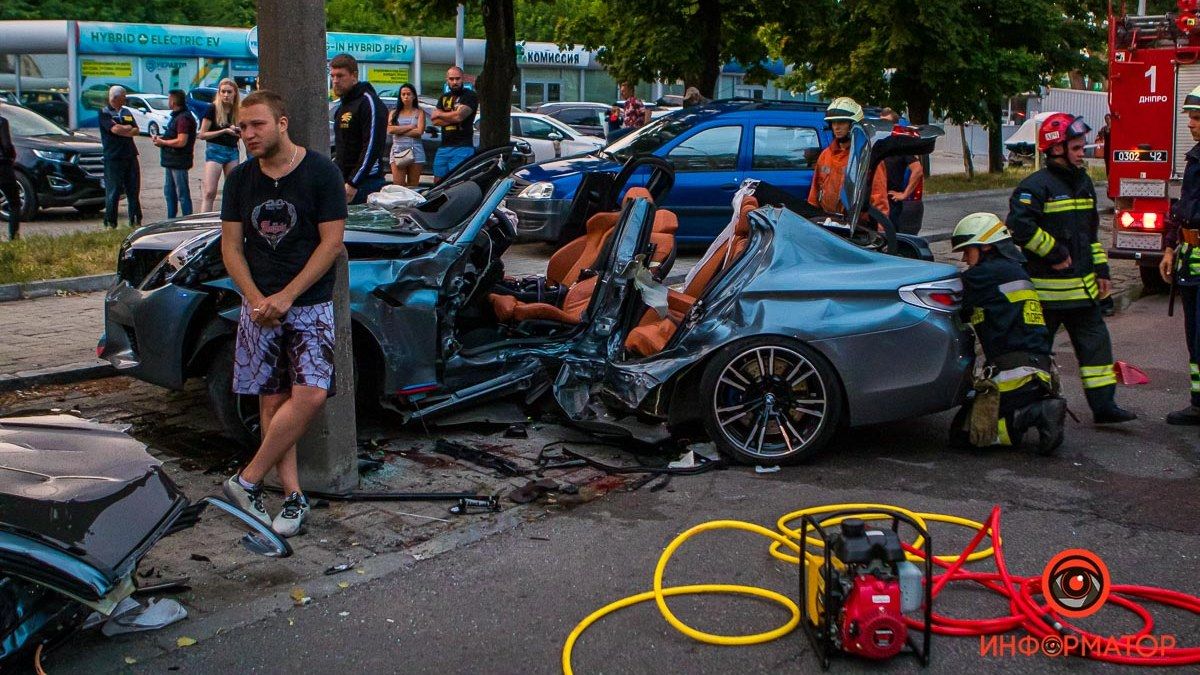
x,y
290,520
246,499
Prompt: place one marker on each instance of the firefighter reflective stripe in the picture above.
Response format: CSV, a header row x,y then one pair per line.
x,y
1195,377
1019,290
1062,290
1015,378
977,316
1099,257
1064,205
1041,243
1002,433
1095,377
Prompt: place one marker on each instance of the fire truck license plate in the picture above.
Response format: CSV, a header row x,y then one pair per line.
x,y
1139,155
1137,187
1139,241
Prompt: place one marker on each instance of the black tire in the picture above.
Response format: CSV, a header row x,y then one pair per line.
x,y
236,413
1152,282
29,203
152,129
796,374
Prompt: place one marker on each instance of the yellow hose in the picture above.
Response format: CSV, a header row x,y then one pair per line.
x,y
786,538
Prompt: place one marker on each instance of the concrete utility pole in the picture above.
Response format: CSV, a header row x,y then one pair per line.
x,y
460,29
293,62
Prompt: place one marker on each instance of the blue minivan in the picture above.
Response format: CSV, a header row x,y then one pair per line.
x,y
714,147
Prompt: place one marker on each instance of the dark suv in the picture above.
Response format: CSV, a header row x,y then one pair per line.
x,y
54,167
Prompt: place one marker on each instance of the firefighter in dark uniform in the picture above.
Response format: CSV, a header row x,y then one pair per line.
x,y
1018,390
1182,256
1052,215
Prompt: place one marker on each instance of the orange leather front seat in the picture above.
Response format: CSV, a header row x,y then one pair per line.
x,y
653,333
580,295
571,260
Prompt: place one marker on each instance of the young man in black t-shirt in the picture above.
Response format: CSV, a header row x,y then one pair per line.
x,y
283,215
455,114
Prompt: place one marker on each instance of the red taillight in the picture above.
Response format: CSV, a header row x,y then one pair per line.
x,y
943,299
1134,220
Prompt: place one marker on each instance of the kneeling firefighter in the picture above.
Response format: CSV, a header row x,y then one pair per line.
x,y
1019,387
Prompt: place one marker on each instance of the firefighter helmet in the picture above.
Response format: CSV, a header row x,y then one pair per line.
x,y
1060,128
844,109
978,229
1192,102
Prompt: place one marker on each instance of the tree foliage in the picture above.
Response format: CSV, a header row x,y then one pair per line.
x,y
689,40
959,58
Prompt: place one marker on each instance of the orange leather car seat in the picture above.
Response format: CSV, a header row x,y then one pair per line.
x,y
580,295
653,332
571,260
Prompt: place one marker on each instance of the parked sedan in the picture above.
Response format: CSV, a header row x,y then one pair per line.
x,y
48,103
587,118
152,112
550,138
54,167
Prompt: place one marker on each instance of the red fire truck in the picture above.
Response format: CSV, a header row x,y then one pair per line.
x,y
1154,61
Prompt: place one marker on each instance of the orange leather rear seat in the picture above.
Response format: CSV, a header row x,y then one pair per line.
x,y
652,332
580,295
571,260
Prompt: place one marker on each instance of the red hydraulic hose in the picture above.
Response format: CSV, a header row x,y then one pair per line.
x,y
1042,622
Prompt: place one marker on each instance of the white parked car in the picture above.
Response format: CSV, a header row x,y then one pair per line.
x,y
550,138
150,111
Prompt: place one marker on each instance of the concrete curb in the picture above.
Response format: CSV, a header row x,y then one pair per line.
x,y
41,289
65,374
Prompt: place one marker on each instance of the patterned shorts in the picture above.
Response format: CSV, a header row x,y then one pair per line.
x,y
298,351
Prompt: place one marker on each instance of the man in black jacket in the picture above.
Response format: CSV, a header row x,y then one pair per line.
x,y
1017,391
1181,257
8,179
1052,215
177,143
359,130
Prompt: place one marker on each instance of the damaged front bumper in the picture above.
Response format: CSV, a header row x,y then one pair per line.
x,y
145,332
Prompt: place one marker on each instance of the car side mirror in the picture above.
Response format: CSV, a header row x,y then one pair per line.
x,y
554,136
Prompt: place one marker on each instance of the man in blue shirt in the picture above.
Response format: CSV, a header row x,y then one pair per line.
x,y
121,170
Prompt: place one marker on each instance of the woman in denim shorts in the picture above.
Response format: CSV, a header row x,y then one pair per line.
x,y
406,125
221,134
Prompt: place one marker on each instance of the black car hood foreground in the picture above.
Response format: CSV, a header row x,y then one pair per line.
x,y
83,488
73,142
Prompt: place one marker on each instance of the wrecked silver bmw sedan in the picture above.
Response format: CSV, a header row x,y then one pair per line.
x,y
783,334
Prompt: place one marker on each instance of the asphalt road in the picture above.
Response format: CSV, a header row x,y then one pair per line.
x,y
505,604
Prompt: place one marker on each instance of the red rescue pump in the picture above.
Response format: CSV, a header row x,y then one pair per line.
x,y
855,602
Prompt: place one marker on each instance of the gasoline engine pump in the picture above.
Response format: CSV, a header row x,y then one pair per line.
x,y
855,601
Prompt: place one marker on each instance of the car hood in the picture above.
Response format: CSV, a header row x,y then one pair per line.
x,y
75,142
568,167
366,228
85,489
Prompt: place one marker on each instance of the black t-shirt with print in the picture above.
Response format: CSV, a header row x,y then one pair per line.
x,y
462,134
227,140
280,223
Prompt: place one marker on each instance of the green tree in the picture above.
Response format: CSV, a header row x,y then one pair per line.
x,y
960,58
689,40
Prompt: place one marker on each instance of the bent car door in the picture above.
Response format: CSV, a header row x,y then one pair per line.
x,y
623,282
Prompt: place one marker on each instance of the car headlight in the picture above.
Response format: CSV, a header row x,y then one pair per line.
x,y
539,190
53,155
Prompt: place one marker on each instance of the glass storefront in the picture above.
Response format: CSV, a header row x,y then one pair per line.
x,y
599,86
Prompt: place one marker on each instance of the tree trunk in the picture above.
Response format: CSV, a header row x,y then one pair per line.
x,y
292,62
995,141
968,161
499,72
708,19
